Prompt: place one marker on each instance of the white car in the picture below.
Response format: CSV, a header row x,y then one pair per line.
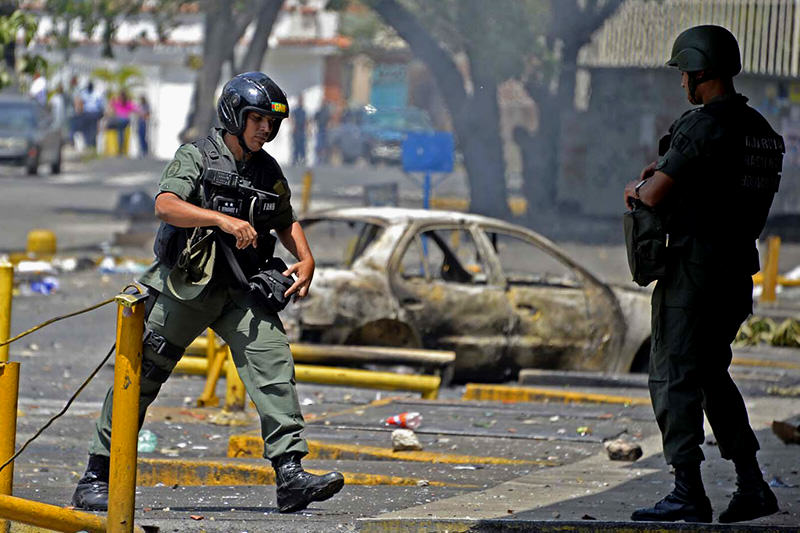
x,y
503,297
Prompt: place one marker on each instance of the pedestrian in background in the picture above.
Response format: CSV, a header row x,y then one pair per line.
x,y
58,109
299,125
712,187
74,107
122,108
322,119
38,88
143,121
92,105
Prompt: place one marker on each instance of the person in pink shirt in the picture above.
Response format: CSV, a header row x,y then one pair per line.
x,y
122,107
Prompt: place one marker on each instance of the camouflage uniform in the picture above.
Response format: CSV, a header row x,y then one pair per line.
x,y
257,339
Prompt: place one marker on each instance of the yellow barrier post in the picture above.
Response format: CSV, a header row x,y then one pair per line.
x,y
308,179
215,359
41,242
6,288
771,269
9,388
234,392
125,412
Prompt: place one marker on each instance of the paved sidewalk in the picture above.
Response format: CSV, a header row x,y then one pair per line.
x,y
596,494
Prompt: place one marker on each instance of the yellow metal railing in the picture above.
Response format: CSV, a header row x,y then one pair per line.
x,y
127,374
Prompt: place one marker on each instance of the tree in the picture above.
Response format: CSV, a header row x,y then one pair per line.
x,y
12,23
470,47
121,79
552,88
225,23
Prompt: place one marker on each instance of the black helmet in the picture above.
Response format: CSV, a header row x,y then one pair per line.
x,y
251,91
707,47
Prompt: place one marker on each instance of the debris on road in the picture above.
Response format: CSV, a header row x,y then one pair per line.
x,y
788,433
758,330
620,450
147,441
776,390
405,439
404,420
583,431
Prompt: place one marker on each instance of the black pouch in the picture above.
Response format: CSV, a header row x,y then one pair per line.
x,y
170,241
269,285
646,242
266,287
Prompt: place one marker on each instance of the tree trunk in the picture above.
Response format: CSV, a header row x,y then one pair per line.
x,y
254,56
476,119
223,28
541,151
108,35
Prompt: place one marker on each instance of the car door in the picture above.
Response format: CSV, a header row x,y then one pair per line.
x,y
452,296
563,316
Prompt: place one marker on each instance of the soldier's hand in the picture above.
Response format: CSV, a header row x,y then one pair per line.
x,y
304,270
245,234
648,171
630,193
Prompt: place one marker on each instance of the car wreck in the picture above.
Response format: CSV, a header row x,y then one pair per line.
x,y
501,296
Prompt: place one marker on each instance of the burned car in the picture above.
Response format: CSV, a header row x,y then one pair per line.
x,y
503,297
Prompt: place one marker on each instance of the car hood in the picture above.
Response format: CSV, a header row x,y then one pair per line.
x,y
10,132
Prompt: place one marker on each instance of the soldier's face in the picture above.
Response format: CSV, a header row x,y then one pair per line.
x,y
257,130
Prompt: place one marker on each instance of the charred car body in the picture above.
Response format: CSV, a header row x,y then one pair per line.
x,y
501,296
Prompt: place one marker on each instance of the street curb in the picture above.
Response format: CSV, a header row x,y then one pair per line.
x,y
253,446
182,472
767,363
395,525
508,393
535,376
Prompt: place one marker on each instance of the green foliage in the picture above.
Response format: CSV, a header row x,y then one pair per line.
x,y
501,38
124,78
92,15
11,26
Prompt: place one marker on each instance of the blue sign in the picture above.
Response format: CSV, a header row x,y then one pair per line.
x,y
428,152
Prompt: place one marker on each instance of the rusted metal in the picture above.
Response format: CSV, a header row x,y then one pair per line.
x,y
495,327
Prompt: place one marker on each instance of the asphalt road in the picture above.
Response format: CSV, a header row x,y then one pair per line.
x,y
565,474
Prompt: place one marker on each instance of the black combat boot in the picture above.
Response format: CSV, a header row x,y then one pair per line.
x,y
91,493
753,498
297,488
687,501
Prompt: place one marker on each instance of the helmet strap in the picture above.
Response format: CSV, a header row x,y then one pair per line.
x,y
245,148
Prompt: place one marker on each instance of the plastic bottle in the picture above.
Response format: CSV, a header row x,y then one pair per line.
x,y
147,441
404,420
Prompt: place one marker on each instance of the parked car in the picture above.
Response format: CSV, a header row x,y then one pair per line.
x,y
501,296
377,135
28,136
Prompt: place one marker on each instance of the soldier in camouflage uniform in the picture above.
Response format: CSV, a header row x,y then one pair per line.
x,y
713,188
185,301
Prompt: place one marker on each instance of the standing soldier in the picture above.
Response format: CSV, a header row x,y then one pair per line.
x,y
712,188
218,200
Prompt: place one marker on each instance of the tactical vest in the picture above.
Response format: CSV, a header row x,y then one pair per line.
x,y
726,201
223,189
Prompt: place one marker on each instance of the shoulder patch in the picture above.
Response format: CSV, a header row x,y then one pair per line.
x,y
279,187
681,142
173,169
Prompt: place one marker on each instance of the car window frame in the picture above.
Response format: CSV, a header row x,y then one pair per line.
x,y
414,231
543,244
